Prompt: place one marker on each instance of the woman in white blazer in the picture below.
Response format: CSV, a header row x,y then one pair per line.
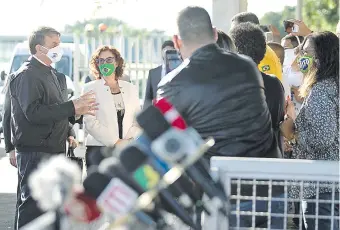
x,y
114,122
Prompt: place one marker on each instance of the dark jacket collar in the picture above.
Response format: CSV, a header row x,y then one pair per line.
x,y
205,51
35,62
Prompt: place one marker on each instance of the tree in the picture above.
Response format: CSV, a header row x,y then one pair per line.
x,y
113,25
277,18
319,15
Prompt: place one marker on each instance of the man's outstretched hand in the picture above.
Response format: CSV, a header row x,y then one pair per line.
x,y
86,104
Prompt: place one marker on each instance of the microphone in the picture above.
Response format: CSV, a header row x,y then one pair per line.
x,y
173,145
112,168
161,126
113,196
82,208
53,182
149,167
146,175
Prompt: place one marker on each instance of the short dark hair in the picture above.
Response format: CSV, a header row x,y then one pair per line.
x,y
194,25
168,43
249,40
246,17
278,49
225,42
293,39
38,37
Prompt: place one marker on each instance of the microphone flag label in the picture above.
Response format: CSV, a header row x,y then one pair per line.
x,y
146,176
117,198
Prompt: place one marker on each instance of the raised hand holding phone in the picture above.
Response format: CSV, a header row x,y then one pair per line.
x,y
299,28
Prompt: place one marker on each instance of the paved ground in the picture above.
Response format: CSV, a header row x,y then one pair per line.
x,y
8,184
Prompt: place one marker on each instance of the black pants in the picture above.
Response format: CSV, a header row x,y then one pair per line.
x,y
27,209
325,210
92,156
17,204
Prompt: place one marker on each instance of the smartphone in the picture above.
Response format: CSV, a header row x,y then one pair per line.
x,y
172,60
269,36
295,28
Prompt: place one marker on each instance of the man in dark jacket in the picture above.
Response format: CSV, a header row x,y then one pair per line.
x,y
40,113
250,40
9,147
220,94
155,75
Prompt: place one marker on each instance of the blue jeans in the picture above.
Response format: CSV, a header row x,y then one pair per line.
x,y
27,209
277,207
325,209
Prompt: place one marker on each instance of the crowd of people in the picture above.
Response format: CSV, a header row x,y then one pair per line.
x,y
256,98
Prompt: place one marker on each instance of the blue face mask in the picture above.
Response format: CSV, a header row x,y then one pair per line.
x,y
305,63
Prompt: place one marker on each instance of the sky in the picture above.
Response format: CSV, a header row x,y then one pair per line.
x,y
20,17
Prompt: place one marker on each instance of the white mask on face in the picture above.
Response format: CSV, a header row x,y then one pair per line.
x,y
54,54
289,57
294,78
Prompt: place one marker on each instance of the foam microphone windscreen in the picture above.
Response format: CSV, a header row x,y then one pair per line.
x,y
153,122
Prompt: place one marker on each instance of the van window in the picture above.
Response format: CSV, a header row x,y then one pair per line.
x,y
63,66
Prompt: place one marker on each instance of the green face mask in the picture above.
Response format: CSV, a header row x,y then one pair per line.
x,y
107,69
305,63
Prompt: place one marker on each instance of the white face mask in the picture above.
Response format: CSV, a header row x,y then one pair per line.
x,y
54,54
294,78
289,57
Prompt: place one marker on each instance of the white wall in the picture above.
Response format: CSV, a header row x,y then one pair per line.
x,y
224,10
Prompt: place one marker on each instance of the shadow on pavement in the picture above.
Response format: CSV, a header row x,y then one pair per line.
x,y
7,210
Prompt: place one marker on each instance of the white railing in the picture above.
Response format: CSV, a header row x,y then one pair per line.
x,y
273,172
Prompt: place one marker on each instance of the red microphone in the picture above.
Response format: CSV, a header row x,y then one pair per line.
x,y
82,208
170,113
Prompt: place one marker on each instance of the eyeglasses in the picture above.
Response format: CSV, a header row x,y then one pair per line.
x,y
105,60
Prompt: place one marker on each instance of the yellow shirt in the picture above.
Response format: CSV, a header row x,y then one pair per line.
x,y
270,64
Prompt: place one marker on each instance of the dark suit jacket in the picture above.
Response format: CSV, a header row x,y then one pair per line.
x,y
151,86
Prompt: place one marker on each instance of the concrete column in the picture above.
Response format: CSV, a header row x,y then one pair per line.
x,y
298,11
224,10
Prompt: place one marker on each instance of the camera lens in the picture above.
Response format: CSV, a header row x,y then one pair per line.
x,y
172,145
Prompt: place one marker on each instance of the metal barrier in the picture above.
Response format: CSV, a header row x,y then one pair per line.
x,y
246,212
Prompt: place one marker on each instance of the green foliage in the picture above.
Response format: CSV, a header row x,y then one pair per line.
x,y
319,15
113,24
277,18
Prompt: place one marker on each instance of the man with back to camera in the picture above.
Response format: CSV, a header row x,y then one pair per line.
x,y
270,63
40,115
278,50
250,40
155,75
218,93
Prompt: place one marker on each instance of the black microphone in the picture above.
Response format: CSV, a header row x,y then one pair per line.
x,y
172,145
145,174
112,168
113,196
183,187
